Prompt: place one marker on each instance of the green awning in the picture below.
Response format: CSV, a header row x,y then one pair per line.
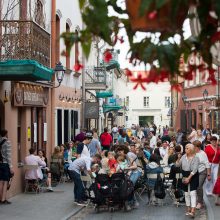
x,y
104,94
24,70
109,108
113,64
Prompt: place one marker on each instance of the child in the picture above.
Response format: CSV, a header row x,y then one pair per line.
x,y
112,163
104,163
122,164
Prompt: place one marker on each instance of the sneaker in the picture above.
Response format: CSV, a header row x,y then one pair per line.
x,y
128,207
81,203
50,189
136,205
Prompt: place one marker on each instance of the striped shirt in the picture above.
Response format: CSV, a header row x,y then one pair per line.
x,y
6,151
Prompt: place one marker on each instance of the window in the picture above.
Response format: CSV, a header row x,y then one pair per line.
x,y
38,14
57,39
19,134
127,100
68,53
146,101
167,102
76,49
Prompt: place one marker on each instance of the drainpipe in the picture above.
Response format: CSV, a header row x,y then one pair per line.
x,y
52,64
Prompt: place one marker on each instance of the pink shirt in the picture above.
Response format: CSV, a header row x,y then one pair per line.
x,y
34,174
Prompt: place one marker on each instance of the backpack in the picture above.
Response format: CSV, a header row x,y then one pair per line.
x,y
1,157
159,189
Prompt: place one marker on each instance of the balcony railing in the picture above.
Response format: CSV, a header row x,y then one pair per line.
x,y
24,40
95,78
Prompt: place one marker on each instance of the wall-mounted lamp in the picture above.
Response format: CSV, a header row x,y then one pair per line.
x,y
184,99
205,96
59,72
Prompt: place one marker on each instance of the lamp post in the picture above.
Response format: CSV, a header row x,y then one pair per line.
x,y
184,99
59,72
205,95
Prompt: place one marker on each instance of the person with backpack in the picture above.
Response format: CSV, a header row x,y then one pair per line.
x,y
6,170
153,168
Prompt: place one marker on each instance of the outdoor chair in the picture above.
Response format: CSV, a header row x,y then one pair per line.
x,y
31,185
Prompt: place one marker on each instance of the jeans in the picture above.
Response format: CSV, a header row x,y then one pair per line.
x,y
78,190
134,176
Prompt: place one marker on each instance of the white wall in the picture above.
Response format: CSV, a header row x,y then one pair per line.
x,y
156,93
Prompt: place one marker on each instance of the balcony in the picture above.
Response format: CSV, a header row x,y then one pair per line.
x,y
95,78
22,40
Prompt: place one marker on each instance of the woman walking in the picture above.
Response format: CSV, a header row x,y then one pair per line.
x,y
189,164
213,153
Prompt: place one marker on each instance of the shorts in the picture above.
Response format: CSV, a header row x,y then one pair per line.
x,y
5,173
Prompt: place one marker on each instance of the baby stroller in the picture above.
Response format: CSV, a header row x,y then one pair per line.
x,y
109,192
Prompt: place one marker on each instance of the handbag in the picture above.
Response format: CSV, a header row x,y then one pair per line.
x,y
159,189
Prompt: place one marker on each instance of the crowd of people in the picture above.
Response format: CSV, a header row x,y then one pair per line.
x,y
138,151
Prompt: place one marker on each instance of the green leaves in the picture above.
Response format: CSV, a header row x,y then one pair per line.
x,y
82,4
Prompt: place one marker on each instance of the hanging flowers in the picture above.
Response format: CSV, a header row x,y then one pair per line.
x,y
78,66
107,56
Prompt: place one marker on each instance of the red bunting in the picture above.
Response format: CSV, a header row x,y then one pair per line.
x,y
176,87
128,72
139,82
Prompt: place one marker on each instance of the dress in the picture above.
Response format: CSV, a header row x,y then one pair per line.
x,y
214,159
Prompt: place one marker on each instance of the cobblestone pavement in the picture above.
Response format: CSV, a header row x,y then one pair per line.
x,y
144,212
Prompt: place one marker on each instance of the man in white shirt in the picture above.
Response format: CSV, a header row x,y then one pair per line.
x,y
32,159
193,134
204,171
164,149
153,140
75,168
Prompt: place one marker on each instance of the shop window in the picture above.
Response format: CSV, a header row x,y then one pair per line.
x,y
19,135
59,127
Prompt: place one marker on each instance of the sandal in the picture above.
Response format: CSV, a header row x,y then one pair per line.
x,y
192,214
6,202
187,213
217,204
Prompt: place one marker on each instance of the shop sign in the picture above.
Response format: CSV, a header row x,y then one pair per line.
x,y
91,110
30,95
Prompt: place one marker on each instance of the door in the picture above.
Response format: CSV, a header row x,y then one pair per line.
x,y
145,120
66,126
59,127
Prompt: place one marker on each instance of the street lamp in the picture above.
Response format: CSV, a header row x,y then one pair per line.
x,y
59,71
205,95
184,98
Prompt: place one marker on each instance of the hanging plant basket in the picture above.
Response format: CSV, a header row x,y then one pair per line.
x,y
156,20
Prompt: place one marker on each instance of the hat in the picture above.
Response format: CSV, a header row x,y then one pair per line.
x,y
89,135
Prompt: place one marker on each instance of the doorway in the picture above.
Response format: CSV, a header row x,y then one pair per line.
x,y
145,120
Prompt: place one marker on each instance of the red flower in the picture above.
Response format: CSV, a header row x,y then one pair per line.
x,y
164,75
78,66
152,15
139,82
176,87
128,72
107,56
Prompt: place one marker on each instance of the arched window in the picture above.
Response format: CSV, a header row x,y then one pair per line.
x,y
39,14
57,38
67,54
76,49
